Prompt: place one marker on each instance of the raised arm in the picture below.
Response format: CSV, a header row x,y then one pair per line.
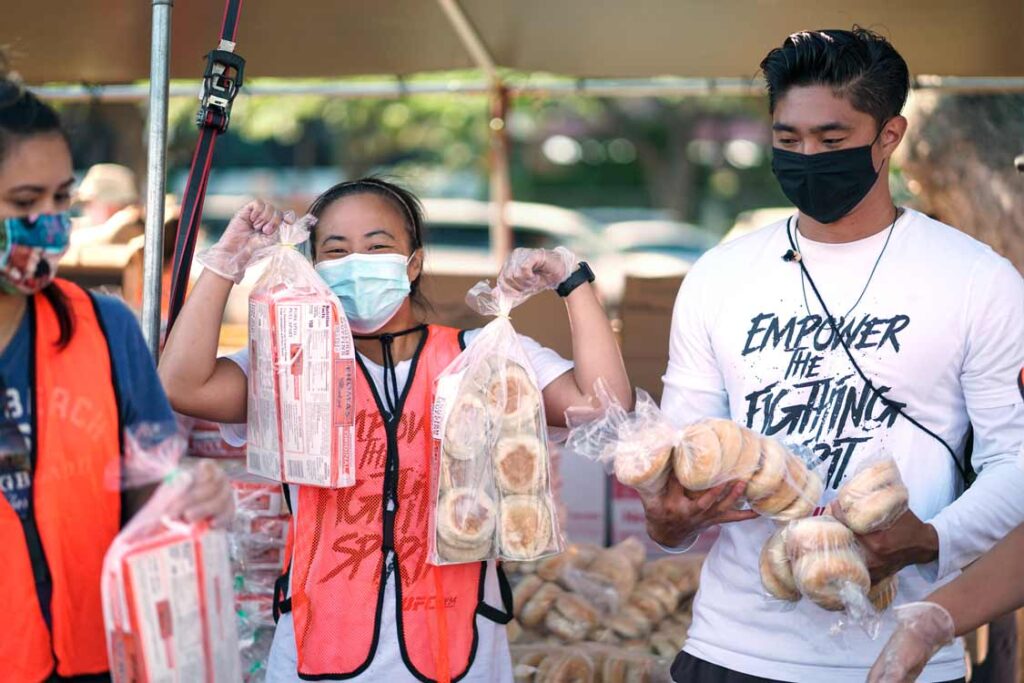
x,y
197,382
595,351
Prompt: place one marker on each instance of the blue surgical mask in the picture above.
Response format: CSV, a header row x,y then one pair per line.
x,y
372,287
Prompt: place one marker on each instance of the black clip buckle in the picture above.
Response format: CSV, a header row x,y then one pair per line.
x,y
222,79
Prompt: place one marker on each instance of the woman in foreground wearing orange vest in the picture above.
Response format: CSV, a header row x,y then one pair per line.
x,y
74,372
362,601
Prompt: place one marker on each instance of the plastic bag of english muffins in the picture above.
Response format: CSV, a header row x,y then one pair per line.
x,y
644,449
829,568
873,497
491,474
636,446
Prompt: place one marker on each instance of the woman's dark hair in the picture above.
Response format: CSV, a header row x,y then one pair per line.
x,y
859,65
23,115
401,199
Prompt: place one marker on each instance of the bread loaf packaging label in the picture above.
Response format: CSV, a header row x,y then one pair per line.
x,y
167,591
301,423
491,477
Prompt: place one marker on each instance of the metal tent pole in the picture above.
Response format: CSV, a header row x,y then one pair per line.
x,y
156,178
500,187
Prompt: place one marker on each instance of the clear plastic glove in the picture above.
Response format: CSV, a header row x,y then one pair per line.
x,y
923,628
250,230
208,497
531,271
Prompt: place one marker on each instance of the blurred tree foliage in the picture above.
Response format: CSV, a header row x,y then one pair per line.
x,y
958,162
629,152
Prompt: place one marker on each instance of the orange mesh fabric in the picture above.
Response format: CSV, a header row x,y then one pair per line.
x,y
339,534
76,440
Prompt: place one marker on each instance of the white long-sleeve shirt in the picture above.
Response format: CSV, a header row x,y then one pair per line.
x,y
940,328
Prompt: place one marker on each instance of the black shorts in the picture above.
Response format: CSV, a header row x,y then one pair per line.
x,y
689,669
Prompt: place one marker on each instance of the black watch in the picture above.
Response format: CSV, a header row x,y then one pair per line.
x,y
582,274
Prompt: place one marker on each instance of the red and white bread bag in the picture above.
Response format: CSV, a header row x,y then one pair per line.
x,y
168,602
301,421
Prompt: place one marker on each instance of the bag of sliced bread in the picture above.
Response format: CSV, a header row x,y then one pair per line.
x,y
167,585
301,421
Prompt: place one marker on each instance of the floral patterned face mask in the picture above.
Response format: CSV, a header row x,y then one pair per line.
x,y
30,249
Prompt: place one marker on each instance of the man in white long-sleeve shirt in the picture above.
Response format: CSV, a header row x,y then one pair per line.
x,y
933,318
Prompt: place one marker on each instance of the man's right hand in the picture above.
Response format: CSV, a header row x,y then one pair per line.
x,y
672,517
250,229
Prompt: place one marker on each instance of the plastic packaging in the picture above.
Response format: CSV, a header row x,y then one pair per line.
x,y
873,498
637,447
491,474
205,441
829,569
168,603
642,448
923,628
776,570
301,422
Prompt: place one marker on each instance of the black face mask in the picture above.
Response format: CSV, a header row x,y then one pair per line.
x,y
828,185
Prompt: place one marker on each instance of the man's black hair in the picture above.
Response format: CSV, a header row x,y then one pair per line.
x,y
859,65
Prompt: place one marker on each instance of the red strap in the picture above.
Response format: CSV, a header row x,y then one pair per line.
x,y
212,121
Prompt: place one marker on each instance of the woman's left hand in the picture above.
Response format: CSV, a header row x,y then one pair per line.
x,y
531,271
209,497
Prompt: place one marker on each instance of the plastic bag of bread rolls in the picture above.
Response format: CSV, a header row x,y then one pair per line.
x,y
490,474
872,498
637,447
780,484
829,569
643,449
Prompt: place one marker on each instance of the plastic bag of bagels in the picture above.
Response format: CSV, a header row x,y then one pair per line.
x,y
781,484
490,474
643,449
637,447
872,498
820,559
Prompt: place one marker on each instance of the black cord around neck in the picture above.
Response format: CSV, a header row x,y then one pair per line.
x,y
888,402
387,340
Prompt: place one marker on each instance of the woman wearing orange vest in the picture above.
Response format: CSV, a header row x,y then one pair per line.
x,y
74,372
362,602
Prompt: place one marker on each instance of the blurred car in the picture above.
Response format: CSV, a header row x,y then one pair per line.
x,y
749,221
648,248
459,240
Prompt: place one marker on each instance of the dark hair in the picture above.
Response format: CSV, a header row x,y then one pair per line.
x,y
23,115
859,65
401,199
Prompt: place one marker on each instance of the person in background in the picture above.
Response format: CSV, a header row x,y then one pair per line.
x,y
133,278
109,199
74,374
345,615
779,329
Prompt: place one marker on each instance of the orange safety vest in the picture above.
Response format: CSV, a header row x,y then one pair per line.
x,y
343,536
75,438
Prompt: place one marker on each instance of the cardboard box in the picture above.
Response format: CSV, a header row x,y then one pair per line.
x,y
646,324
542,318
